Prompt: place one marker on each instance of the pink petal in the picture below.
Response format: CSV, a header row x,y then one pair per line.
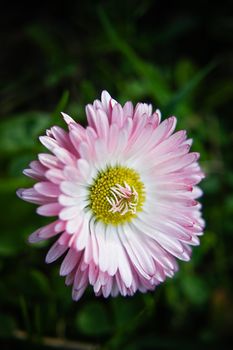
x,y
47,188
45,232
51,209
48,142
55,175
49,161
71,260
55,252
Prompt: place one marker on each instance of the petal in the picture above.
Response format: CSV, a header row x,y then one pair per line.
x,y
32,196
49,161
124,266
84,233
48,142
68,201
68,213
45,232
55,175
74,224
100,233
62,137
51,209
176,163
118,115
67,118
128,109
55,252
105,99
64,156
84,168
47,188
73,189
33,174
71,260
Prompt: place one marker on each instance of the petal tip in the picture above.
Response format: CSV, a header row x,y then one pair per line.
x,y
67,118
19,193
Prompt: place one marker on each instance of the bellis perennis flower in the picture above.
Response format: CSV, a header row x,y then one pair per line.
x,y
124,192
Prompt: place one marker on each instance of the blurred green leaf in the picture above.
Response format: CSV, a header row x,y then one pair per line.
x,y
60,64
17,164
9,246
40,282
25,314
12,184
220,94
93,319
20,133
7,325
194,288
184,72
154,82
212,184
189,87
125,312
229,204
60,107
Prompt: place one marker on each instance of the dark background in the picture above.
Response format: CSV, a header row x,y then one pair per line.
x,y
60,56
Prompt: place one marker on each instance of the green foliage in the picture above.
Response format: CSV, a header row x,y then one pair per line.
x,y
20,132
93,320
138,51
195,289
7,325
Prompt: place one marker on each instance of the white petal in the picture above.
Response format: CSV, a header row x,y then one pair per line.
x,y
84,168
68,201
48,142
73,225
68,213
73,189
124,265
64,156
100,232
84,233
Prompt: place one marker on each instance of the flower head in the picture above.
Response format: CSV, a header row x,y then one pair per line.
x,y
124,192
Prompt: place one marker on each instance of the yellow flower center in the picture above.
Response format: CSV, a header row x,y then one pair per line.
x,y
116,195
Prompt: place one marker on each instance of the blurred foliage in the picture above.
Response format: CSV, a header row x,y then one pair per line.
x,y
60,58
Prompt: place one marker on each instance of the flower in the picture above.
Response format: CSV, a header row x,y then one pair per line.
x,y
124,192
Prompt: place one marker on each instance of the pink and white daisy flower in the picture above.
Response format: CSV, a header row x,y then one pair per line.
x,y
124,192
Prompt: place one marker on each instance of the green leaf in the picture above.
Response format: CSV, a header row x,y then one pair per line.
x,y
20,132
9,245
18,163
154,82
93,320
61,106
184,72
195,289
189,87
125,311
12,184
7,325
219,94
40,282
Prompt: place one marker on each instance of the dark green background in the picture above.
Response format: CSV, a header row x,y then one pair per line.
x,y
177,55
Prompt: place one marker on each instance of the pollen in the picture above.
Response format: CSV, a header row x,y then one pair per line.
x,y
116,195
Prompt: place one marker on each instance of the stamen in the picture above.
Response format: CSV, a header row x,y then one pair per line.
x,y
116,195
123,200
